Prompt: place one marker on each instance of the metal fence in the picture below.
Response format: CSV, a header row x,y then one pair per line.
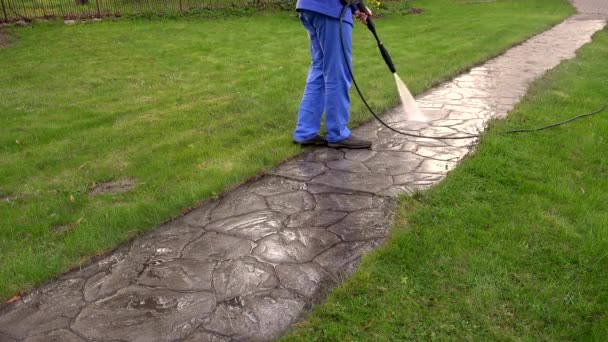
x,y
14,10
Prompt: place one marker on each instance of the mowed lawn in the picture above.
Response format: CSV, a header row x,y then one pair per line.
x,y
48,8
185,109
512,246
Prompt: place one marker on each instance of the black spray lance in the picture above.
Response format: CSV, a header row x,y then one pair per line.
x,y
407,100
372,27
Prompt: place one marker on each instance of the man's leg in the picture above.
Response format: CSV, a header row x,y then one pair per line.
x,y
337,83
311,107
337,77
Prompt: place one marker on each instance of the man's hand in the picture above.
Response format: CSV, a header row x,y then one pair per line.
x,y
363,15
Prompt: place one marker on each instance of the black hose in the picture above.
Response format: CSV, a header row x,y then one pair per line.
x,y
559,123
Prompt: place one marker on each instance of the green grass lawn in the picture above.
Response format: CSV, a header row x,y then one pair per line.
x,y
512,246
18,9
186,109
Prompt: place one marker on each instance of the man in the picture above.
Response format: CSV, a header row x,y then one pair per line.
x,y
328,78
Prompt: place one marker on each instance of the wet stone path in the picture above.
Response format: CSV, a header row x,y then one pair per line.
x,y
248,265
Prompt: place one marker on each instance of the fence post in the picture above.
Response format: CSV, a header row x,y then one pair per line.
x,y
4,11
98,12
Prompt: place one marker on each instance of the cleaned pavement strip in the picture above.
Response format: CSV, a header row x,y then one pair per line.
x,y
249,265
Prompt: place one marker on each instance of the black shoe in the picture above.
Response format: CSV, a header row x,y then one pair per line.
x,y
318,140
351,142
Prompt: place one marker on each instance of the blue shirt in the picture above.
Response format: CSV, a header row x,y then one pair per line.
x,y
330,8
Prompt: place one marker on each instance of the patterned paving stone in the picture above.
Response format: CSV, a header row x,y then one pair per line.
x,y
247,266
60,335
160,245
214,246
397,190
435,166
366,182
237,203
167,242
309,280
394,144
409,127
342,260
412,178
100,265
199,217
362,225
140,314
358,155
106,283
45,310
393,163
291,203
269,186
201,335
348,165
323,154
241,277
441,153
252,226
266,313
300,170
315,218
315,188
6,338
294,245
343,202
179,274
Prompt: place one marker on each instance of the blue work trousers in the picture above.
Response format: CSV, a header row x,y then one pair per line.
x,y
328,79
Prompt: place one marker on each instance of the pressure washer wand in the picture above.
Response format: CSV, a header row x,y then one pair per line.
x,y
372,27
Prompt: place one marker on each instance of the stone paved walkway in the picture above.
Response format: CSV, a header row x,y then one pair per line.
x,y
249,265
593,9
